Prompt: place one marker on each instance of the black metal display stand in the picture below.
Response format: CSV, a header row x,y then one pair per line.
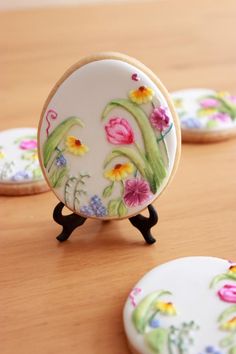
x,y
70,222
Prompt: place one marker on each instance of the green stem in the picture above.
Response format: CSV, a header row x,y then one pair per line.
x,y
54,159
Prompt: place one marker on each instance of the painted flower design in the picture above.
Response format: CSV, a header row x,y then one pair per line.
x,y
204,112
223,117
230,325
60,161
75,146
232,269
119,171
21,176
209,103
159,118
32,156
28,144
95,207
136,192
191,123
228,293
2,155
166,308
142,95
119,131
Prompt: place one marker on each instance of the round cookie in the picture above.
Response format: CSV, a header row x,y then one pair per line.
x,y
109,139
186,306
20,172
205,115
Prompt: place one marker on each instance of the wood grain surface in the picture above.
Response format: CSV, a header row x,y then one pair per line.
x,y
68,298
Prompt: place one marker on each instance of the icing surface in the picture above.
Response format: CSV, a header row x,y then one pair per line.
x,y
205,110
184,306
18,156
107,140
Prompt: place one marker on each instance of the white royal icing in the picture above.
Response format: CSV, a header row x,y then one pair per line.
x,y
100,167
18,156
205,110
185,306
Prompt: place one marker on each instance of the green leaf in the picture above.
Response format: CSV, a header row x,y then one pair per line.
x,y
153,152
142,165
57,135
226,313
122,210
157,340
232,350
144,310
113,206
57,177
227,341
108,190
220,277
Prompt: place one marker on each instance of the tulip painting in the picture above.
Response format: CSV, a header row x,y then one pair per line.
x,y
227,294
148,157
119,131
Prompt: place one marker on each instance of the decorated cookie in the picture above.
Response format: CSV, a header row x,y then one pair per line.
x,y
205,115
186,306
20,172
108,137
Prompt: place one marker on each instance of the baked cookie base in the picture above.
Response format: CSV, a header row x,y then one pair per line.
x,y
207,137
18,189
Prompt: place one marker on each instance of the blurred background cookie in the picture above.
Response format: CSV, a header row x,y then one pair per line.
x,y
206,115
20,172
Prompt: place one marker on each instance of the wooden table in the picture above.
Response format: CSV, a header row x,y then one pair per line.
x,y
68,298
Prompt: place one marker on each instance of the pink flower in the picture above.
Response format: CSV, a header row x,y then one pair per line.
x,y
28,144
223,117
232,99
209,103
159,118
119,132
137,192
228,293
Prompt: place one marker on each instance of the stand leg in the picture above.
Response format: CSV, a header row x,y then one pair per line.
x,y
68,222
144,224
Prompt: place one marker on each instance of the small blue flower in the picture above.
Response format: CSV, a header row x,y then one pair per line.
x,y
20,176
191,123
154,323
87,210
210,349
95,207
61,161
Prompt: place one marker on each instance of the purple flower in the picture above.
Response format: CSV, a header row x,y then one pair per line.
x,y
159,118
20,176
60,161
223,117
137,192
154,323
191,123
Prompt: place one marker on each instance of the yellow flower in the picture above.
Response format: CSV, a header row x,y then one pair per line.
x,y
75,146
141,95
166,308
206,112
178,102
232,269
222,94
230,325
2,155
119,171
